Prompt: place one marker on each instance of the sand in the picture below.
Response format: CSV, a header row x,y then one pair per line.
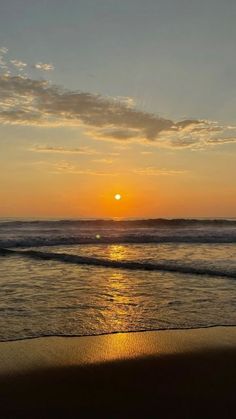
x,y
164,374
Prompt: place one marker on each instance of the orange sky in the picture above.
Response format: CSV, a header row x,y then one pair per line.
x,y
36,191
130,99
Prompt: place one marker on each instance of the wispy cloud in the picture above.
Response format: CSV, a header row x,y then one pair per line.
x,y
156,171
65,167
197,136
11,66
27,101
44,66
104,161
64,150
149,171
146,152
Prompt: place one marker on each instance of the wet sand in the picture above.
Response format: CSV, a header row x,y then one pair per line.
x,y
164,374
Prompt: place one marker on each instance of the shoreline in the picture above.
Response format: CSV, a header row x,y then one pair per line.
x,y
178,373
120,332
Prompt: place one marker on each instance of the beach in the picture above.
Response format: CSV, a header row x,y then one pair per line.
x,y
138,323
175,373
117,209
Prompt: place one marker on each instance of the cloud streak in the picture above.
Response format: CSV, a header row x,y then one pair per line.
x,y
68,168
155,171
65,167
64,150
26,101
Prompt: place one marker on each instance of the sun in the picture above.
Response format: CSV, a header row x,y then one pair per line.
x,y
117,197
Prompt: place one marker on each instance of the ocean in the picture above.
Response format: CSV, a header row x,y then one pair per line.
x,y
90,277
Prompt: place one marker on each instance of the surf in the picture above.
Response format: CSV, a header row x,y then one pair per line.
x,y
167,266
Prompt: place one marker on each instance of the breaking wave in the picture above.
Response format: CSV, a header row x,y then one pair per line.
x,y
168,266
152,222
26,233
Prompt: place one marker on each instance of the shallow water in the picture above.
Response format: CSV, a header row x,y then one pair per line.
x,y
50,297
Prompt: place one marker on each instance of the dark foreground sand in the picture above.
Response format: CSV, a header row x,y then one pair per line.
x,y
183,374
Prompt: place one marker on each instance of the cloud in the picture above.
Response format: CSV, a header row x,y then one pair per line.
x,y
128,101
3,63
32,102
65,167
197,137
155,171
3,50
19,64
36,101
226,140
104,161
11,66
64,150
44,66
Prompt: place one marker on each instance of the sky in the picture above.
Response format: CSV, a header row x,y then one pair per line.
x,y
99,97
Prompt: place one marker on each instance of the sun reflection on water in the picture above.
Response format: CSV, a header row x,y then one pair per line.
x,y
121,296
117,252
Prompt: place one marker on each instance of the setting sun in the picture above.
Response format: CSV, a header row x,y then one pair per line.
x,y
117,208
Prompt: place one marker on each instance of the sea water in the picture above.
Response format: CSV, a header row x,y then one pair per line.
x,y
88,277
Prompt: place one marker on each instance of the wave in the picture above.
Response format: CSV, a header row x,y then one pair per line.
x,y
145,223
22,233
144,239
166,266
